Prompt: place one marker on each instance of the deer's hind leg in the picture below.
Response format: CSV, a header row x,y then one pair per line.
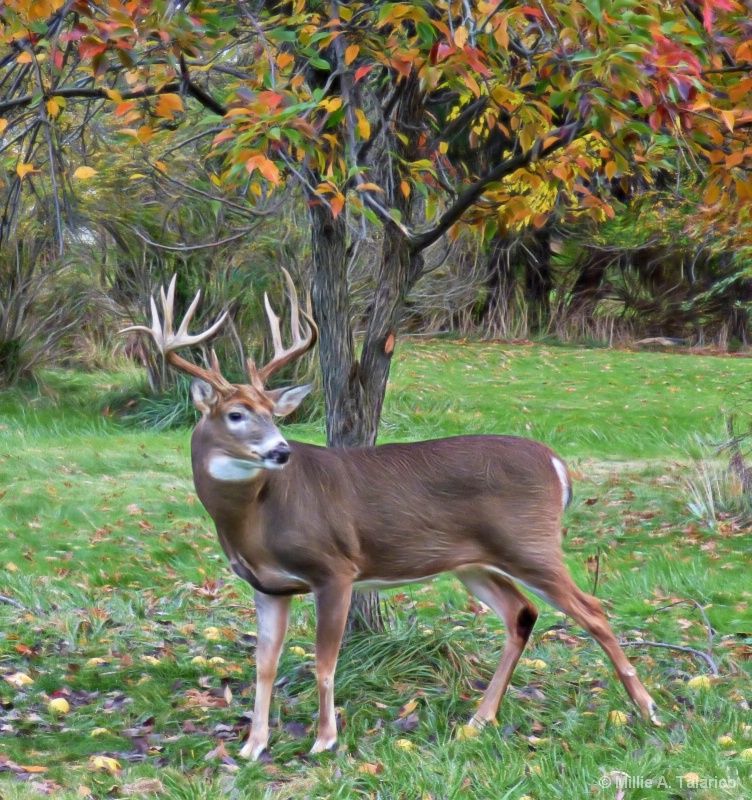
x,y
519,616
561,591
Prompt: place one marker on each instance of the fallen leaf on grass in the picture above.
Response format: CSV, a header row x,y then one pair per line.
x,y
408,723
59,705
193,697
104,764
408,708
19,679
617,718
468,732
371,769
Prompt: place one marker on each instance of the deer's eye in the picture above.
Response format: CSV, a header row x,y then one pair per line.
x,y
235,416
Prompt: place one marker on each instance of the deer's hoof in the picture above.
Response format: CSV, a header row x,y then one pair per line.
x,y
322,745
253,749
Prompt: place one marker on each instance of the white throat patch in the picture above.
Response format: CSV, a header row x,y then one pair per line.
x,y
224,468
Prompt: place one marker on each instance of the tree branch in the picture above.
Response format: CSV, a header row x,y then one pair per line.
x,y
563,136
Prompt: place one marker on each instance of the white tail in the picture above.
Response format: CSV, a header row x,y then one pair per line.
x,y
293,518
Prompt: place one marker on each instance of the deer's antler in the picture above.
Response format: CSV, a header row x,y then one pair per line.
x,y
168,342
301,342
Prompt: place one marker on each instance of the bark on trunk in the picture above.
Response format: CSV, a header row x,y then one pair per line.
x,y
355,390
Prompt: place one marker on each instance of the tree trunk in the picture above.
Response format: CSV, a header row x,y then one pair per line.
x,y
355,390
538,278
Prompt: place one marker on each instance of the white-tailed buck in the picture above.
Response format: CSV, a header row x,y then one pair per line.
x,y
293,518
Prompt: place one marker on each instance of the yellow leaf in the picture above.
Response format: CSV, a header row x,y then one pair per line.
x,y
468,732
10,566
610,170
53,109
746,754
725,741
351,54
212,633
99,732
728,118
199,661
364,126
691,778
104,764
22,170
3,124
116,97
404,744
168,105
59,705
408,708
617,718
699,682
84,173
332,104
461,36
443,148
19,679
95,662
151,660
533,663
216,660
298,651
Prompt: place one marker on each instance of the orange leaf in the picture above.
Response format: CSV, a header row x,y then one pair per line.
x,y
351,54
337,203
32,769
25,58
728,118
734,159
168,105
712,193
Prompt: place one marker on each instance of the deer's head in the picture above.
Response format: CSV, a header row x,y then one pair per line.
x,y
237,427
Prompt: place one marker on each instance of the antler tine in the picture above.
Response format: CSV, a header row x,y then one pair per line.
x,y
301,342
168,341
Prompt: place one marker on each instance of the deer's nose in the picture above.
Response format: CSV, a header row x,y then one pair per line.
x,y
279,455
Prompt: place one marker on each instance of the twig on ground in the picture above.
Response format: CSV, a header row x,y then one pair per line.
x,y
681,648
11,602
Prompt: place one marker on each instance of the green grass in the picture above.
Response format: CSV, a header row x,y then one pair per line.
x,y
113,558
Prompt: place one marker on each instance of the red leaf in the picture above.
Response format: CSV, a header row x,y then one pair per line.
x,y
361,72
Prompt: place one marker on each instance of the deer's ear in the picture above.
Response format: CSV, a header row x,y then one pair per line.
x,y
287,400
204,396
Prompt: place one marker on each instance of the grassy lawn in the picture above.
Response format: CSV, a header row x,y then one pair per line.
x,y
123,606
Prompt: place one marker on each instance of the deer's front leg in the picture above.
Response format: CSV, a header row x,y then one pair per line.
x,y
272,614
332,605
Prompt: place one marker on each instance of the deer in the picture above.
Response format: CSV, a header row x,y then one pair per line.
x,y
295,518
